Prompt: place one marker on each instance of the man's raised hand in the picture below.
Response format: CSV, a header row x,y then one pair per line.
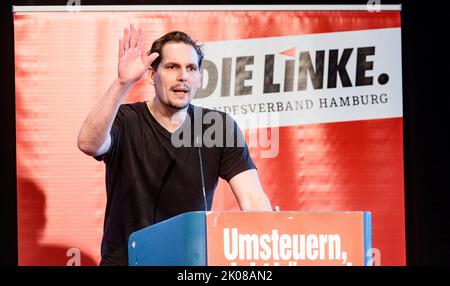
x,y
133,59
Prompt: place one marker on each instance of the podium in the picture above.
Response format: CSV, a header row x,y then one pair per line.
x,y
237,238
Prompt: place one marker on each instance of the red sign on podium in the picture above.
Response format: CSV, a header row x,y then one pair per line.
x,y
288,238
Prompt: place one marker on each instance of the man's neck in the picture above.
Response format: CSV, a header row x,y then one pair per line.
x,y
169,118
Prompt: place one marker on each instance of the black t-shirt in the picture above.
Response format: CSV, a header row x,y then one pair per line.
x,y
149,180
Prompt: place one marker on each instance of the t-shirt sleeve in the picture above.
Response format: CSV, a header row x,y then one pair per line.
x,y
116,136
235,154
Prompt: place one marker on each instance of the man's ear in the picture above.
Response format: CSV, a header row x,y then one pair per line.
x,y
150,75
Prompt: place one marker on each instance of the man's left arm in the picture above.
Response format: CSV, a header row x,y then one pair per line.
x,y
248,191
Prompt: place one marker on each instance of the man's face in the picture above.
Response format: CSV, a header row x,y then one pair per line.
x,y
178,76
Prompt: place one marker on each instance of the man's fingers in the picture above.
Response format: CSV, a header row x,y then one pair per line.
x,y
126,39
121,51
140,43
133,37
149,59
137,35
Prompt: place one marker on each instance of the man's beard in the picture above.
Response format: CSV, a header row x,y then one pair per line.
x,y
178,106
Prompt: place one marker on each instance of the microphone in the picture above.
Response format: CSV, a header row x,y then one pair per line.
x,y
205,205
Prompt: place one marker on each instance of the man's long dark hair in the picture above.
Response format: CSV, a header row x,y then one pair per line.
x,y
176,37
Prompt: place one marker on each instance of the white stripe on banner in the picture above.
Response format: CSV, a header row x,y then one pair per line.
x,y
317,78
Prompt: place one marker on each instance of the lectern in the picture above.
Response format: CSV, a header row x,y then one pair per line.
x,y
236,238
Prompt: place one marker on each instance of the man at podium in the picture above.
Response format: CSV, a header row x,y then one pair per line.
x,y
164,156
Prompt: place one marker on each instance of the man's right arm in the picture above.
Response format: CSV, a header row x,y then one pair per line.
x,y
94,137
